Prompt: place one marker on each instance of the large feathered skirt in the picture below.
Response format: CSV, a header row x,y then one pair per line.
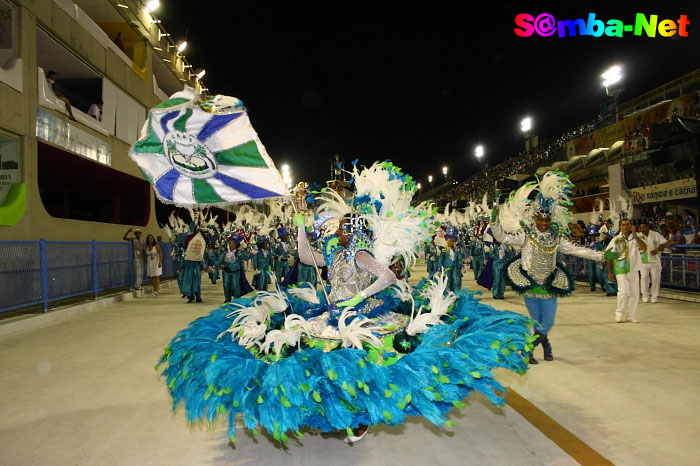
x,y
333,388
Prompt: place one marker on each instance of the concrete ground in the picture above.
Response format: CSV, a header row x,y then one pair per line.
x,y
83,390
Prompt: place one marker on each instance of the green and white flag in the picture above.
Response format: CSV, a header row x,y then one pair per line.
x,y
199,154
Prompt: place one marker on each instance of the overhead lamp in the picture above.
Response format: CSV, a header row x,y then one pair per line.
x,y
526,125
157,48
162,34
121,5
201,73
479,151
612,76
152,5
182,46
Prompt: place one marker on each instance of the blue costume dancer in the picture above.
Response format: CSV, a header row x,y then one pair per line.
x,y
450,261
432,257
593,269
281,254
232,266
476,251
376,351
536,272
263,265
192,267
499,256
212,258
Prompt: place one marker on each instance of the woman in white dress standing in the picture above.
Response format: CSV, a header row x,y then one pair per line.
x,y
154,262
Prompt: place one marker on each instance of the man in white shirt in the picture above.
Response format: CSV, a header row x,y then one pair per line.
x,y
651,262
95,110
628,247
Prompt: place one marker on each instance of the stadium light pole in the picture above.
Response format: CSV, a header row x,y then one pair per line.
x,y
430,180
479,152
444,172
526,128
612,80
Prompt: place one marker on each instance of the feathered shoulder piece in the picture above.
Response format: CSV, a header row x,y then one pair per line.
x,y
517,209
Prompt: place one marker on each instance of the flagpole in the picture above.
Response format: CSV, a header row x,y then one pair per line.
x,y
313,259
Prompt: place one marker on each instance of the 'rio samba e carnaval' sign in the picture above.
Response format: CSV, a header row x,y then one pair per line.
x,y
198,154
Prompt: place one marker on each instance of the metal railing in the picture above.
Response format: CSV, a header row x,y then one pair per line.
x,y
41,272
677,270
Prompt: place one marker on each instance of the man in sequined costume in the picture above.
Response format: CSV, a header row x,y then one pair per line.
x,y
536,273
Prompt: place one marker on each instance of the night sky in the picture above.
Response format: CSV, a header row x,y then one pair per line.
x,y
420,83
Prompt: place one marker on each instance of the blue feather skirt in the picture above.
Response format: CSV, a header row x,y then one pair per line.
x,y
341,388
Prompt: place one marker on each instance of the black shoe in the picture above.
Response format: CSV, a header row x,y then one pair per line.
x,y
533,360
183,296
611,294
199,299
547,348
190,299
592,289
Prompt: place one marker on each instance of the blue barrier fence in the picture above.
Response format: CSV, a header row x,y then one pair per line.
x,y
677,270
41,272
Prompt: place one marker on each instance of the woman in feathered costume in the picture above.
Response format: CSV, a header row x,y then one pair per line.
x,y
376,351
537,226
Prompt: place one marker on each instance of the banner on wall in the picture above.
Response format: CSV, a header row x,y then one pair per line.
x,y
680,189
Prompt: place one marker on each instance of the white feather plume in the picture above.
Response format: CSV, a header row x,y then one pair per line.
x,y
358,330
438,300
305,293
518,207
439,303
421,322
276,299
294,327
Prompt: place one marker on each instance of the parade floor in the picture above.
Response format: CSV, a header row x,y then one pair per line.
x,y
83,391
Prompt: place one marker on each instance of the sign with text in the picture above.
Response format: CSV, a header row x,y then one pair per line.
x,y
679,189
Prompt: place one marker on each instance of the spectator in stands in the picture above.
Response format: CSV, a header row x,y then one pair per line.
x,y
119,42
95,110
688,223
674,237
651,262
159,239
137,255
51,77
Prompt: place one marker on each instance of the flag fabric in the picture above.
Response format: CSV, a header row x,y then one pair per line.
x,y
200,154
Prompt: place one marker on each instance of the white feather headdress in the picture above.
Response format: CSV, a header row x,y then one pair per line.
x,y
383,199
553,196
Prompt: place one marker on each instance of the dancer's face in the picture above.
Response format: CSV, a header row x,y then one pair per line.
x,y
542,222
342,233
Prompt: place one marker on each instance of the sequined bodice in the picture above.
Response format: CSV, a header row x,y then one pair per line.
x,y
346,279
540,255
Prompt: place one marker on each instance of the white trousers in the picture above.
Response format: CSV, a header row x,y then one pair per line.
x,y
627,294
651,272
138,272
